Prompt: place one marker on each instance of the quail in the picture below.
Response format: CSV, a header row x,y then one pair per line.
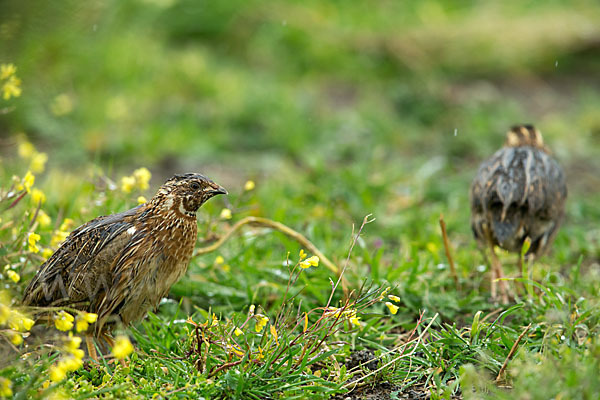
x,y
119,266
518,193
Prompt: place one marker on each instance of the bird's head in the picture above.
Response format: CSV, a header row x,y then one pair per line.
x,y
525,135
187,192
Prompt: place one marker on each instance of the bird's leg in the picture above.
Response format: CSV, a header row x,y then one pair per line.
x,y
111,343
493,287
109,340
89,341
497,275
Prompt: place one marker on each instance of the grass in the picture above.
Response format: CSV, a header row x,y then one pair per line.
x,y
336,111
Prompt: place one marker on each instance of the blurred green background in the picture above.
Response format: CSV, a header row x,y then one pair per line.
x,y
336,109
355,106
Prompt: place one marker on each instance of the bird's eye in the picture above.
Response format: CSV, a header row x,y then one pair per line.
x,y
195,186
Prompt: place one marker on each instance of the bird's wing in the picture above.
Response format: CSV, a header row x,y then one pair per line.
x,y
79,270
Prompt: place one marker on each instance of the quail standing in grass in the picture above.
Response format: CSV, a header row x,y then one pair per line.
x,y
119,266
518,193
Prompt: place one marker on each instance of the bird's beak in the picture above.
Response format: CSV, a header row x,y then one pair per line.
x,y
217,190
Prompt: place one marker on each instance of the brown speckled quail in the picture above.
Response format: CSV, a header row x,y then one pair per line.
x,y
119,266
518,193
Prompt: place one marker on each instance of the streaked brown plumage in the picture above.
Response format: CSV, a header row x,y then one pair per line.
x,y
119,266
518,193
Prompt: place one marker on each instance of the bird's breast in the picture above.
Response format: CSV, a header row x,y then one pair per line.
x,y
176,241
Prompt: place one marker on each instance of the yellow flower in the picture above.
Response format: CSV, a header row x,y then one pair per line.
x,y
72,343
302,254
11,88
251,309
142,177
63,321
46,253
393,308
225,213
226,267
237,350
81,324
37,196
274,333
310,262
237,331
5,387
4,313
305,322
43,218
27,323
67,223
431,247
127,184
57,372
7,70
90,317
215,320
58,237
38,162
15,338
26,150
354,320
261,322
19,322
70,364
313,261
32,239
13,276
28,181
84,319
394,298
219,260
122,348
141,200
249,185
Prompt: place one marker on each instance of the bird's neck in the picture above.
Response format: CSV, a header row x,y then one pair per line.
x,y
172,206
